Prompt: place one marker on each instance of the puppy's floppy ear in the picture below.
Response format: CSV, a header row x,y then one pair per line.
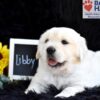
x,y
37,54
82,48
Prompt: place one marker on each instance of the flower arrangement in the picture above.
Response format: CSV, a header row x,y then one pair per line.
x,y
4,61
4,57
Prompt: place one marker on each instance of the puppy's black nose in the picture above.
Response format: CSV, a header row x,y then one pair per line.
x,y
51,50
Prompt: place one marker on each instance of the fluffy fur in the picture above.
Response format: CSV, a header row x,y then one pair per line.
x,y
66,63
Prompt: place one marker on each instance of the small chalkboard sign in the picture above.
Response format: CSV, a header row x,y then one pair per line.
x,y
22,63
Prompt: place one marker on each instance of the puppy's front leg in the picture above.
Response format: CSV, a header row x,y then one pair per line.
x,y
37,85
70,91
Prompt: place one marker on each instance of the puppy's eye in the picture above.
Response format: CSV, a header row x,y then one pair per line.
x,y
64,42
46,40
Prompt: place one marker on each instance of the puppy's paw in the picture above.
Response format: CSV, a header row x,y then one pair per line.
x,y
62,95
33,89
26,91
29,90
70,91
36,88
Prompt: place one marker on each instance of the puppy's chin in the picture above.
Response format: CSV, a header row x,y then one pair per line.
x,y
54,63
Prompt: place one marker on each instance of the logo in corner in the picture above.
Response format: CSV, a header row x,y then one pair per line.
x,y
88,5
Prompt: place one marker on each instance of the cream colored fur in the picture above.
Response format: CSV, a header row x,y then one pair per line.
x,y
81,68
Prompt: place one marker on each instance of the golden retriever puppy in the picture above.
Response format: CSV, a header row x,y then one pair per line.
x,y
65,62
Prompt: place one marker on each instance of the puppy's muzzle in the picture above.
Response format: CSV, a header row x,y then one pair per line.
x,y
51,59
51,50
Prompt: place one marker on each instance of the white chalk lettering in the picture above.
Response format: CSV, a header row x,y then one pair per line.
x,y
25,60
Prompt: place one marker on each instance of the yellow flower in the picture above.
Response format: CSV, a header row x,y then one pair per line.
x,y
4,57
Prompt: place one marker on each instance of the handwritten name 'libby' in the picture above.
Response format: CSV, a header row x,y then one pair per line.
x,y
25,60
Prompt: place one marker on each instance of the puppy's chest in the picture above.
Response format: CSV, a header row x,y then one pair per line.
x,y
58,81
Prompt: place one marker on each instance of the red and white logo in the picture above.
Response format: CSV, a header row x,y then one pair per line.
x,y
88,4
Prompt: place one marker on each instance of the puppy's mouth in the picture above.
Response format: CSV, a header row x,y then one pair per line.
x,y
54,63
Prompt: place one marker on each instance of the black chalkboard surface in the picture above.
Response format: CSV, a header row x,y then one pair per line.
x,y
22,64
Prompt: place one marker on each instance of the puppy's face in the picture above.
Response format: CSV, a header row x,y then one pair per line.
x,y
59,47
